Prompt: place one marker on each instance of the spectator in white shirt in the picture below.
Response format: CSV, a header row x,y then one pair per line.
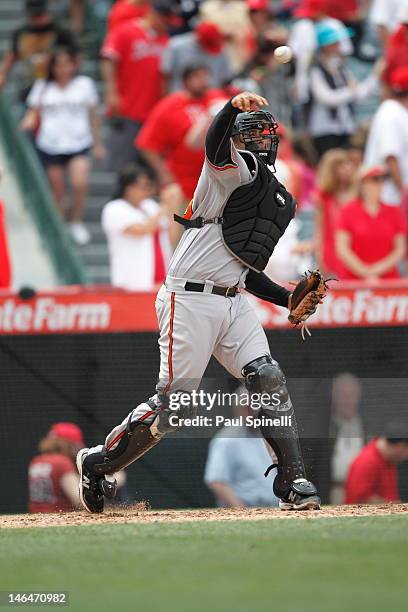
x,y
387,143
333,91
63,110
138,231
385,15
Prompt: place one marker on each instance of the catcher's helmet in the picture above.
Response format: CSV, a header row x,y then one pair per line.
x,y
255,127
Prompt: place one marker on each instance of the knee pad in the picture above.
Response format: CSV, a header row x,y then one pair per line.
x,y
264,375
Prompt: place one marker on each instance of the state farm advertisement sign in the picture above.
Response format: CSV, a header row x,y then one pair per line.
x,y
98,310
363,307
77,310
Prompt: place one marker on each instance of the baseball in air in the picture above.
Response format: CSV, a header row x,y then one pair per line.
x,y
283,54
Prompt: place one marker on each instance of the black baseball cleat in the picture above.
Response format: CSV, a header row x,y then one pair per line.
x,y
302,495
93,489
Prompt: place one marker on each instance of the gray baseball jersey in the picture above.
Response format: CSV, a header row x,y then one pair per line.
x,y
201,254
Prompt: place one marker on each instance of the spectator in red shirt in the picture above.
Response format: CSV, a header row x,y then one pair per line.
x,y
370,236
166,138
131,71
126,10
396,54
52,475
373,476
334,188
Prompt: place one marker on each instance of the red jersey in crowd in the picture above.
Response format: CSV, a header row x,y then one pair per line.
x,y
165,130
370,475
330,209
372,237
5,268
44,482
123,11
396,55
137,52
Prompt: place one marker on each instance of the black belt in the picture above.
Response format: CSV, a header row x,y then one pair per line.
x,y
224,291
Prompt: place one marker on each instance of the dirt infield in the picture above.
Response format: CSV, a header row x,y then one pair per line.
x,y
139,514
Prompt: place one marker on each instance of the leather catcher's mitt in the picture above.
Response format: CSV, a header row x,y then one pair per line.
x,y
307,294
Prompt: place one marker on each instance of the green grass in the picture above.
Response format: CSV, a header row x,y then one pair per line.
x,y
286,565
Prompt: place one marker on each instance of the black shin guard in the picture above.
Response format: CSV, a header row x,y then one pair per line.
x,y
135,441
263,375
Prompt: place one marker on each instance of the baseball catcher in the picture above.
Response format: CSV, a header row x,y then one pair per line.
x,y
237,216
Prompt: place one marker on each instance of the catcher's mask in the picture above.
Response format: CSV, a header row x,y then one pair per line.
x,y
257,130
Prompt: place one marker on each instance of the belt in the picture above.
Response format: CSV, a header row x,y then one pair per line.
x,y
224,291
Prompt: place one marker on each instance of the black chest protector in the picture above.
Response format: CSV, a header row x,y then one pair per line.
x,y
254,218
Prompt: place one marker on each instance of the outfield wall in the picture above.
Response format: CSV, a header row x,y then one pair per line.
x,y
96,378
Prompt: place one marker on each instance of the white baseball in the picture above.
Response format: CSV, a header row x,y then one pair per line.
x,y
283,54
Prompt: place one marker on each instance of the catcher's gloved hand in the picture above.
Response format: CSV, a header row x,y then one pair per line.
x,y
308,293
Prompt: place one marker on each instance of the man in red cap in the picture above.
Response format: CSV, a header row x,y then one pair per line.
x,y
204,46
387,143
52,476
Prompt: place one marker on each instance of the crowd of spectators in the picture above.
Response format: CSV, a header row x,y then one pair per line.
x,y
168,66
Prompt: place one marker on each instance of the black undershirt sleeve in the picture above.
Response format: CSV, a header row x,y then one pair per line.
x,y
264,288
217,142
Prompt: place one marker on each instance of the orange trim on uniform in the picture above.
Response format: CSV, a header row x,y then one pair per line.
x,y
222,168
122,433
118,437
170,357
144,417
189,211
